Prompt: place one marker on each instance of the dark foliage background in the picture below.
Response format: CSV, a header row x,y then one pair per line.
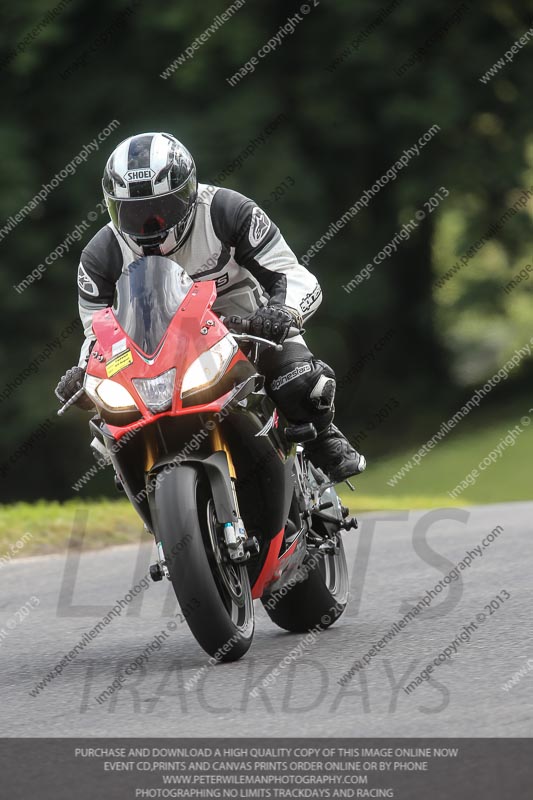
x,y
348,117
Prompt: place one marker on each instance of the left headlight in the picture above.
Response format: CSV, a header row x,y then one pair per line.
x,y
109,393
208,368
157,392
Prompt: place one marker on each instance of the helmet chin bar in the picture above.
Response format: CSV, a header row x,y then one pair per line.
x,y
151,245
155,246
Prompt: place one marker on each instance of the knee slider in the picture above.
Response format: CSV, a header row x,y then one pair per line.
x,y
322,394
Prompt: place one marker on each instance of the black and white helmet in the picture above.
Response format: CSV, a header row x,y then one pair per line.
x,y
151,191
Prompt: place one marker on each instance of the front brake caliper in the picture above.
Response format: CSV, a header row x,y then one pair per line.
x,y
235,536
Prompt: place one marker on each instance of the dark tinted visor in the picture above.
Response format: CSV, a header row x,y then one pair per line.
x,y
149,216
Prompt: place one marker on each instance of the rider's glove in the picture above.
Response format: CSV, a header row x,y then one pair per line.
x,y
271,322
70,383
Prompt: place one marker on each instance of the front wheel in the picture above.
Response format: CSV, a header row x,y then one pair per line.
x,y
318,600
213,592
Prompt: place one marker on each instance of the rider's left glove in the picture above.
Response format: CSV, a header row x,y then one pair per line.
x,y
271,322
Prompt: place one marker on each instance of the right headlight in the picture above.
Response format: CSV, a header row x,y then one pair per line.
x,y
209,367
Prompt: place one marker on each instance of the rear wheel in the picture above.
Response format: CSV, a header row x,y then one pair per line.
x,y
213,591
319,599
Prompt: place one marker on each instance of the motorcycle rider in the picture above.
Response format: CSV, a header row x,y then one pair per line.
x,y
157,207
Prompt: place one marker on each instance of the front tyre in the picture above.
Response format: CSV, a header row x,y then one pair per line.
x,y
318,600
213,592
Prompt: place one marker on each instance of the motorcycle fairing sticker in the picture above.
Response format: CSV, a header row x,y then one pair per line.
x,y
119,363
272,422
119,347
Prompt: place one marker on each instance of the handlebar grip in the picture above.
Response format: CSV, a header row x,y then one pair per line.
x,y
70,402
243,326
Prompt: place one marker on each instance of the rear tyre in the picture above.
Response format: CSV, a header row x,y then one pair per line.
x,y
319,600
213,592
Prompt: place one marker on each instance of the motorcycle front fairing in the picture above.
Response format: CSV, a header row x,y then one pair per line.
x,y
155,344
153,329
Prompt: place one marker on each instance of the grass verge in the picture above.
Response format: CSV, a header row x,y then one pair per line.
x,y
91,524
99,523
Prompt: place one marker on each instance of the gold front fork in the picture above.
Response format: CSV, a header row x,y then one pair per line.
x,y
218,443
238,532
151,448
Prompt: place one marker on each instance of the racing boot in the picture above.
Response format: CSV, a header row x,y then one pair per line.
x,y
334,455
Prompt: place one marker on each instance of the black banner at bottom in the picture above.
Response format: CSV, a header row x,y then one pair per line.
x,y
405,769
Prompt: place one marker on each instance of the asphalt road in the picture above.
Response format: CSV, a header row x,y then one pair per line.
x,y
393,561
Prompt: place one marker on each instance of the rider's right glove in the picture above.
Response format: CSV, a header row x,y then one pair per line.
x,y
70,383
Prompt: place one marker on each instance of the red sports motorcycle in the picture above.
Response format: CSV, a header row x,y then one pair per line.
x,y
216,473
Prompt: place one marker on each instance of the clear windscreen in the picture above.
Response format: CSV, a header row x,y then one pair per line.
x,y
148,294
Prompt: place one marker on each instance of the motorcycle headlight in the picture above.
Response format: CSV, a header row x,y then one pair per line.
x,y
157,392
209,367
109,393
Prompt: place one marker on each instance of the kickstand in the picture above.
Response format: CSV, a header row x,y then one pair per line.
x,y
352,487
